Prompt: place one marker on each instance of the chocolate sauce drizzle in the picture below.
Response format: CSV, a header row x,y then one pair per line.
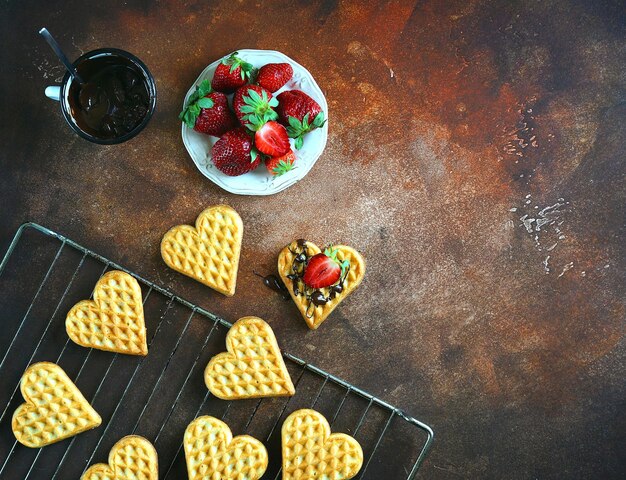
x,y
315,297
274,283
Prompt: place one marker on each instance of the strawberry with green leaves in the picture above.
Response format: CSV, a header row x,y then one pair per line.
x,y
232,73
299,113
207,111
324,269
234,153
254,106
278,166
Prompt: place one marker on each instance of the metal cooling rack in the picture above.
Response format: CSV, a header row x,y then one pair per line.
x,y
43,274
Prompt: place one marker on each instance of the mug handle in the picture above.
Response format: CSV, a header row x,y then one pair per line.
x,y
53,92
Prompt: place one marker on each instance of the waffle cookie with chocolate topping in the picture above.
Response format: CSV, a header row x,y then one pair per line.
x,y
319,280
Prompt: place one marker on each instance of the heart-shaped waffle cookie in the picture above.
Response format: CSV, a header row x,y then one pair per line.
x,y
131,458
208,253
113,320
294,258
212,453
310,451
54,409
253,366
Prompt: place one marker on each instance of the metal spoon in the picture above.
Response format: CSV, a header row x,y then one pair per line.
x,y
57,49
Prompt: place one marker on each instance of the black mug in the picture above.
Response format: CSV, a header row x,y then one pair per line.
x,y
116,101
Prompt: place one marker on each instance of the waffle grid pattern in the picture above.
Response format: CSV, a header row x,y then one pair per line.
x,y
132,458
213,454
317,314
59,462
208,253
113,320
54,409
311,452
253,367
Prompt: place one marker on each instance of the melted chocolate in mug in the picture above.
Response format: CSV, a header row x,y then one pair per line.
x,y
113,100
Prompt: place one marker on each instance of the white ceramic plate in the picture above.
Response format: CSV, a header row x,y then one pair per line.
x,y
260,181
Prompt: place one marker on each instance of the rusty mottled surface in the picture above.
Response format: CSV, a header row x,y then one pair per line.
x,y
475,157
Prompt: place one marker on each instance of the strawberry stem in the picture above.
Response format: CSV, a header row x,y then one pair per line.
x,y
282,168
297,129
247,69
197,101
259,109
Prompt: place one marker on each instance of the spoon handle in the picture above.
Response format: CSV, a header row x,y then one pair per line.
x,y
57,49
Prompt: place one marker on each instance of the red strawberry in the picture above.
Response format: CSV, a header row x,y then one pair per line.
x,y
272,139
207,111
323,269
299,113
231,74
274,75
278,166
233,154
254,106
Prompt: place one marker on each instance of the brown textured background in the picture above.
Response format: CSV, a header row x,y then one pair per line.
x,y
475,157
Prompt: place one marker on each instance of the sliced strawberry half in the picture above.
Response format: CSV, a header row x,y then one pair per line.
x,y
323,269
272,139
